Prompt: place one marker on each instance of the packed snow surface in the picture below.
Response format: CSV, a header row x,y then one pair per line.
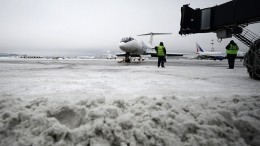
x,y
105,103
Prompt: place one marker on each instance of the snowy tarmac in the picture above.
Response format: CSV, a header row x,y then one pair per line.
x,y
78,79
102,102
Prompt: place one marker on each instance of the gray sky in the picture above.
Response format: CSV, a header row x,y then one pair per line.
x,y
79,27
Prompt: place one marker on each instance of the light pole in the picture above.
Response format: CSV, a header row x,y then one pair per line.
x,y
212,43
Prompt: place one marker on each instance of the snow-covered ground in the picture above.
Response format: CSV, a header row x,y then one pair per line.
x,y
102,102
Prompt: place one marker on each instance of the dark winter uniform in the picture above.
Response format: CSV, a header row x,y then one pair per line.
x,y
161,53
231,50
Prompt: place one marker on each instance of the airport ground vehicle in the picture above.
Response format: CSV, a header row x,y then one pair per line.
x,y
227,20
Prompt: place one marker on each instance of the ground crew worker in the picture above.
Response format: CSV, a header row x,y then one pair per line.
x,y
231,50
161,53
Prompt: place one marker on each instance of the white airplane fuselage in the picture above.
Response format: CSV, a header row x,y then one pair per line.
x,y
133,46
215,55
241,54
211,53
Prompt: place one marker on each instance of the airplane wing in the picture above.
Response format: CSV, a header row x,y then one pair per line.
x,y
175,54
167,54
123,54
153,54
212,56
151,33
120,54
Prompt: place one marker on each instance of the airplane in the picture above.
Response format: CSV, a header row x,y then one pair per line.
x,y
111,56
108,55
209,55
241,55
215,55
135,48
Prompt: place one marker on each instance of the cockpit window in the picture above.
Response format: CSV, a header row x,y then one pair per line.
x,y
127,39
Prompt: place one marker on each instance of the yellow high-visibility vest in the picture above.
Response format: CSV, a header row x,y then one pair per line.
x,y
160,51
233,49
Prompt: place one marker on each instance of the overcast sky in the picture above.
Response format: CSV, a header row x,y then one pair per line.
x,y
79,27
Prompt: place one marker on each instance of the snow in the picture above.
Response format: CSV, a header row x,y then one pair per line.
x,y
102,102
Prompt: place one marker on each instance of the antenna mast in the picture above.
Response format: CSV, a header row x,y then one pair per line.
x,y
212,43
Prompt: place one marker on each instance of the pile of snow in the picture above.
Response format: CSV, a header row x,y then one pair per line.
x,y
100,102
166,121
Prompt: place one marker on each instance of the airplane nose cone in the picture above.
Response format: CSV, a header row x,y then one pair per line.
x,y
123,47
129,47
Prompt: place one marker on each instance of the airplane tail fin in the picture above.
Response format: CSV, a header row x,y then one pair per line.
x,y
199,49
152,34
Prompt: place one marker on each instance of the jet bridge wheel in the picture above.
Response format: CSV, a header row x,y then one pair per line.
x,y
252,60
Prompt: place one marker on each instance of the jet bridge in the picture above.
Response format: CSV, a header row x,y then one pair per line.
x,y
227,20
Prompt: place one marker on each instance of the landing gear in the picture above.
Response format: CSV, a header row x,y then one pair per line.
x,y
127,58
139,59
252,60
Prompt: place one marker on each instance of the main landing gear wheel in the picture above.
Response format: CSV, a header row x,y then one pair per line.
x,y
127,58
252,60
